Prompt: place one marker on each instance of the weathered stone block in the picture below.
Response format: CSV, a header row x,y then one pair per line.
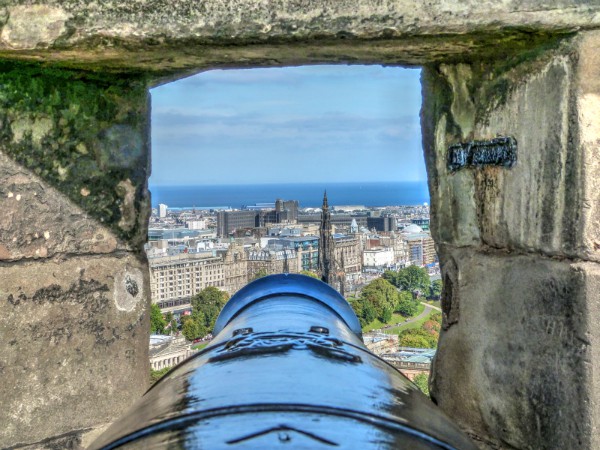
x,y
38,222
88,138
516,362
547,202
183,35
74,347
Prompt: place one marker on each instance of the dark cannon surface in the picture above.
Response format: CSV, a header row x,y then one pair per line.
x,y
287,369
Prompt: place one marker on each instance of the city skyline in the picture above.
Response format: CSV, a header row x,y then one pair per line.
x,y
292,124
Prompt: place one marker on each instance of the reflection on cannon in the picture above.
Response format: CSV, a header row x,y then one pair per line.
x,y
287,368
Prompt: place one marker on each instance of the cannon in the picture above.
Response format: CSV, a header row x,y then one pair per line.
x,y
287,368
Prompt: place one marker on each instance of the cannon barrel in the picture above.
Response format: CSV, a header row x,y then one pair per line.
x,y
286,368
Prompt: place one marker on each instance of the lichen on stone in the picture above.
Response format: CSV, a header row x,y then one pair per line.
x,y
84,134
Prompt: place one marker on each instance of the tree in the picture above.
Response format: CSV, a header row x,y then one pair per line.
x,y
407,304
413,278
391,277
382,296
206,306
436,317
387,315
171,322
422,382
364,310
157,321
432,327
193,329
435,289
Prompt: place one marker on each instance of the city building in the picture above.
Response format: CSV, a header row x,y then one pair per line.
x,y
196,224
423,222
162,210
411,361
381,343
337,220
420,246
259,215
307,246
273,261
339,256
348,255
378,258
184,275
235,267
382,223
167,351
230,221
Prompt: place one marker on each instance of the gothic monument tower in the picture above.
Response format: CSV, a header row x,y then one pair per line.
x,y
326,246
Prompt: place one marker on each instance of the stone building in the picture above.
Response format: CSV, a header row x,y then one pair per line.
x,y
348,255
420,247
271,261
167,351
235,267
184,275
230,221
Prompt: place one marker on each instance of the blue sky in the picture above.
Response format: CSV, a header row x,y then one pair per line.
x,y
293,124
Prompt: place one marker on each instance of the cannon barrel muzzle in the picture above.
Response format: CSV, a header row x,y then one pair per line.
x,y
287,368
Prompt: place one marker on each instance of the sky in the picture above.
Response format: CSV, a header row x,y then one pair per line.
x,y
288,125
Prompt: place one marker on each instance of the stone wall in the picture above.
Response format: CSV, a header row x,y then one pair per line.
x,y
74,283
519,246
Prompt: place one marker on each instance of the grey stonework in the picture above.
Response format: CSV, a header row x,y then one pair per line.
x,y
520,247
74,286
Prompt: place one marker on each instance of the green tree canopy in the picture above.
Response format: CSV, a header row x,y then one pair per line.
x,y
435,289
206,306
383,297
157,322
407,304
413,278
194,328
422,382
417,338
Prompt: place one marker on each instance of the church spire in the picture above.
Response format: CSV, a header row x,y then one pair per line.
x,y
325,205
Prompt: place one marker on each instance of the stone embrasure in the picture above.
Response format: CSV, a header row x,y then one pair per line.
x,y
88,138
172,37
493,206
514,365
73,356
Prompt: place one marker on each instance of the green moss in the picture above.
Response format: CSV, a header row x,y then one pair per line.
x,y
105,115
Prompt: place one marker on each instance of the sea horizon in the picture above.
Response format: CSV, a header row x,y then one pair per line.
x,y
309,195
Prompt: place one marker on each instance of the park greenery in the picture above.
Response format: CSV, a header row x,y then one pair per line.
x,y
394,293
424,337
206,306
157,321
414,279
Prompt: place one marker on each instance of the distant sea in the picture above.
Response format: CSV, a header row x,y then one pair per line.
x,y
308,195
